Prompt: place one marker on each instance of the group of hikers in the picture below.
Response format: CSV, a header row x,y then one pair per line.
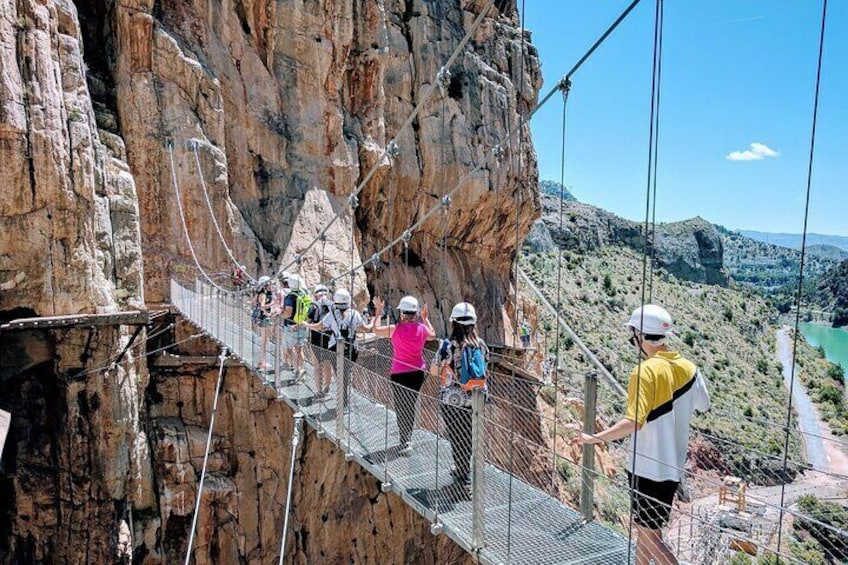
x,y
663,392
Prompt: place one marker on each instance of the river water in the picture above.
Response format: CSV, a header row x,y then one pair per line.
x,y
834,341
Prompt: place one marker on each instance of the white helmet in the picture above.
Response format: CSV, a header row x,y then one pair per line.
x,y
342,298
464,314
408,304
285,277
651,320
320,288
263,280
295,282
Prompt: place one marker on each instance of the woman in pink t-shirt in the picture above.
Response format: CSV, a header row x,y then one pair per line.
x,y
408,368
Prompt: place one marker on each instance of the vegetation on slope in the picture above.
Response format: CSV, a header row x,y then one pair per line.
x,y
727,332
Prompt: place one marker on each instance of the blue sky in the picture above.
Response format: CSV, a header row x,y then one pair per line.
x,y
735,73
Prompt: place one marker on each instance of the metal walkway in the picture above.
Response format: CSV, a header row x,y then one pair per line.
x,y
520,523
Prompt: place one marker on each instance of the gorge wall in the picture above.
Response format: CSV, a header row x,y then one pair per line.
x,y
115,117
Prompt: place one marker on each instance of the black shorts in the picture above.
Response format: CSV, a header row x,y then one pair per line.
x,y
319,339
651,501
350,352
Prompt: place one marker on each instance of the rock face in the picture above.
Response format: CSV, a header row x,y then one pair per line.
x,y
245,125
691,249
283,98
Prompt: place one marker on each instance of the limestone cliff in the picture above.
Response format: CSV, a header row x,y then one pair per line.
x,y
123,124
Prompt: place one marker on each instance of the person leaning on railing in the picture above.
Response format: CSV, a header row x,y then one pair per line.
x,y
664,390
408,368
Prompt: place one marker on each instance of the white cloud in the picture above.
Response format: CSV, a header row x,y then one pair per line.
x,y
755,153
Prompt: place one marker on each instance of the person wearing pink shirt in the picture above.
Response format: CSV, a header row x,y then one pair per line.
x,y
408,367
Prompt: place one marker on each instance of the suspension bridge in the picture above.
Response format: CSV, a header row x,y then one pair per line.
x,y
519,508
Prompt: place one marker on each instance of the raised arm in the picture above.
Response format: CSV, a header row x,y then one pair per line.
x,y
425,318
379,329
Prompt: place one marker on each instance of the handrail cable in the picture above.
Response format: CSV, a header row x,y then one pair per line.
x,y
656,150
193,143
800,291
170,145
391,147
199,494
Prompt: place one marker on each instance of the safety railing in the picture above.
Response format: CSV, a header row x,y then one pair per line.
x,y
502,478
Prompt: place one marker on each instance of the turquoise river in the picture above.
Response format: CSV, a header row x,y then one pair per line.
x,y
834,341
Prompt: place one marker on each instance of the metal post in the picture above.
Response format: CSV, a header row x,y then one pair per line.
x,y
278,348
341,393
478,467
237,320
587,482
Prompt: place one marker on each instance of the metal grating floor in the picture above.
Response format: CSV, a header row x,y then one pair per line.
x,y
523,525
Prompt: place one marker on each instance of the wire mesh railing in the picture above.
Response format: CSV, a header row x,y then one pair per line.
x,y
507,483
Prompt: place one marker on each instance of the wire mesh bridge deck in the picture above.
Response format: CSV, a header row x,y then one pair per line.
x,y
515,522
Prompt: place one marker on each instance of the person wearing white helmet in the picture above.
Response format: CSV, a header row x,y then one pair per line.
x,y
342,322
261,317
408,367
295,309
664,390
455,405
319,338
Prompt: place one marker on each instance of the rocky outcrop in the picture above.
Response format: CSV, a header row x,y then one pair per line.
x,y
283,99
691,249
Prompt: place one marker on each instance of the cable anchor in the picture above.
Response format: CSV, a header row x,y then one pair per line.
x,y
393,149
443,78
353,200
564,85
407,237
498,153
446,201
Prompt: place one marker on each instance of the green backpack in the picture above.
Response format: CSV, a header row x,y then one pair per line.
x,y
301,307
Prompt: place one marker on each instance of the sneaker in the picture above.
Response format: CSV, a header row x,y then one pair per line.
x,y
406,451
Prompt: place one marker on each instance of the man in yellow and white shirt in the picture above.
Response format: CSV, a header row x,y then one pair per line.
x,y
663,392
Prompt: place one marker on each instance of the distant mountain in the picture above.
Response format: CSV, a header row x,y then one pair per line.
x,y
555,189
793,240
691,249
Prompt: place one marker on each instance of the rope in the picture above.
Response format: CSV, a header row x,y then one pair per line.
x,y
298,424
657,28
800,291
222,358
559,273
391,147
183,220
193,144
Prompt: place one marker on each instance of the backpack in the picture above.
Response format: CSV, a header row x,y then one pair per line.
x,y
301,307
473,366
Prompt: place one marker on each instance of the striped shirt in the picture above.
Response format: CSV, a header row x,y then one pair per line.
x,y
662,394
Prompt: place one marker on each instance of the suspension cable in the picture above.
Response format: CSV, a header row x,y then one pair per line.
x,y
800,291
517,252
643,299
497,151
183,220
393,144
555,379
298,425
199,495
656,152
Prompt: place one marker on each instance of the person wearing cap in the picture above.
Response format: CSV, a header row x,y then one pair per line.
x,y
262,304
664,390
457,415
408,367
